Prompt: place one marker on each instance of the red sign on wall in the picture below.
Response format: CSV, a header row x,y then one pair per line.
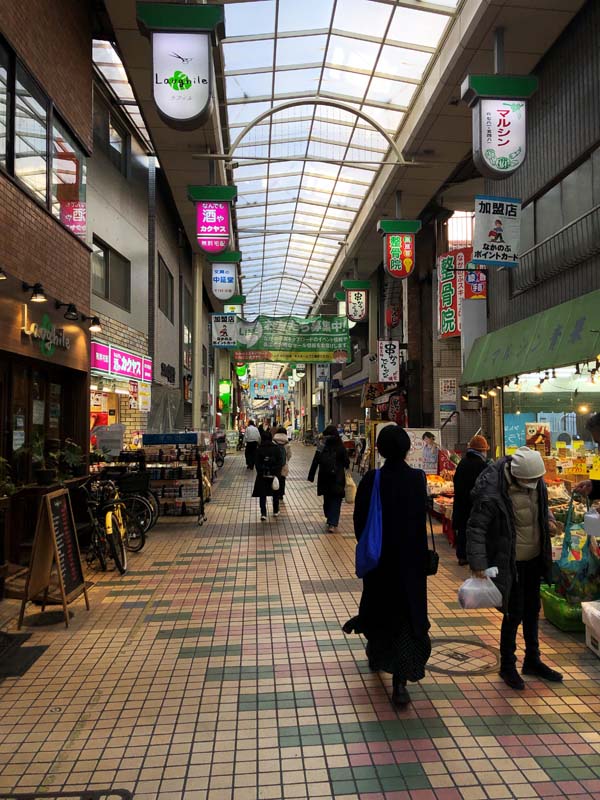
x,y
399,254
451,290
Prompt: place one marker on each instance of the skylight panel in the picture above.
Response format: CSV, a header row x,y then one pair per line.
x,y
300,50
248,55
247,19
362,16
417,27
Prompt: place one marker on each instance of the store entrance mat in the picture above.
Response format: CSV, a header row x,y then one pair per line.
x,y
84,794
15,659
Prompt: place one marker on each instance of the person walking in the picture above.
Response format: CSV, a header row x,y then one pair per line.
x,y
510,528
269,461
251,440
281,439
393,607
331,460
469,469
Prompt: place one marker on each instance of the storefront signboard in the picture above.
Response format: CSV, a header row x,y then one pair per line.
x,y
370,392
224,330
399,254
134,395
291,339
475,285
223,280
451,291
73,215
448,398
120,363
393,316
357,304
213,227
499,136
323,372
497,234
423,453
266,389
388,361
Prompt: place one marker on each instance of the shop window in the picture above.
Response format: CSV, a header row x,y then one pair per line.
x,y
165,290
4,102
30,138
109,134
111,275
117,146
68,181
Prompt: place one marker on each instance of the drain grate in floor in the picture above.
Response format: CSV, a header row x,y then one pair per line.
x,y
462,657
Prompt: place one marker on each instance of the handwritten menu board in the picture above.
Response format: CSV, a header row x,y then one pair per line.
x,y
55,543
69,561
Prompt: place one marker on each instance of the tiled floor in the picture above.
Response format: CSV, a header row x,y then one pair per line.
x,y
216,668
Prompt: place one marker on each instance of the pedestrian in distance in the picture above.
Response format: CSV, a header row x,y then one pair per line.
x,y
470,468
269,461
281,439
510,528
393,607
590,488
251,440
331,461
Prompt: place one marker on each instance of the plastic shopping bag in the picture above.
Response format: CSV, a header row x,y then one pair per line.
x,y
480,592
349,488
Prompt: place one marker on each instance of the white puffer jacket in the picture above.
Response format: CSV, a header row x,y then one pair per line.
x,y
281,439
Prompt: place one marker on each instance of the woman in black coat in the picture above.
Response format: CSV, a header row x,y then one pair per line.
x,y
269,461
393,607
332,462
470,468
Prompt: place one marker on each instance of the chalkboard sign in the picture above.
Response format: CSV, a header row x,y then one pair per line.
x,y
55,542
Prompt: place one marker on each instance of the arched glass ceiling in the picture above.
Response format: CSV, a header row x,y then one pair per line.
x,y
294,207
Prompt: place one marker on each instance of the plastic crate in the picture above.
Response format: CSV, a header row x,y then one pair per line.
x,y
563,615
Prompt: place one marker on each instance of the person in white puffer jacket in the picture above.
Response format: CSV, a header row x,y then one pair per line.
x,y
281,439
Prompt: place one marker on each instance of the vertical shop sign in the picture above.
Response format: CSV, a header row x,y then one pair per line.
x,y
224,330
134,395
448,398
388,361
323,372
223,281
451,290
475,285
399,254
497,235
73,215
393,316
356,304
213,226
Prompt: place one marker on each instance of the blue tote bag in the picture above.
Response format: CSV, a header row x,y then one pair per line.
x,y
368,548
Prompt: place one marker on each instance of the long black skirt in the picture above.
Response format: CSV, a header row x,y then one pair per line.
x,y
399,652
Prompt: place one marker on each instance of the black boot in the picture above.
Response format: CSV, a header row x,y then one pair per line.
x,y
511,678
541,670
400,695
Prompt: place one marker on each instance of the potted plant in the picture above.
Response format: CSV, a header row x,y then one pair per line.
x,y
44,466
73,458
99,455
7,486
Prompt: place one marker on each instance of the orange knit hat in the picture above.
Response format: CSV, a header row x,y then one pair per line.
x,y
479,443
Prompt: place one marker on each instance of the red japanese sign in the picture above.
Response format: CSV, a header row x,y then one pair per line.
x,y
393,316
475,285
451,290
399,254
213,225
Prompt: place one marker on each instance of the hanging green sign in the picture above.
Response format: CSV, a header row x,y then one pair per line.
x,y
317,339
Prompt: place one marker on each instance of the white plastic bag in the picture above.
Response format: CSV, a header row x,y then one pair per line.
x,y
275,484
480,592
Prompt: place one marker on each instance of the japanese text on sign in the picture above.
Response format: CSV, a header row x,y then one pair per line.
x,y
451,290
224,330
499,136
399,254
496,239
212,226
356,304
388,361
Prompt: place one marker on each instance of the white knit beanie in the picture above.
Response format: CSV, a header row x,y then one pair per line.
x,y
527,466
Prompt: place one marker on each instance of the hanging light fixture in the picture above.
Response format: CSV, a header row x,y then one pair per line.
x,y
96,325
492,392
37,292
3,275
71,313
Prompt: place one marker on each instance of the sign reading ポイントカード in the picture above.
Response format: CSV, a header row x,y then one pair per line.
x,y
497,234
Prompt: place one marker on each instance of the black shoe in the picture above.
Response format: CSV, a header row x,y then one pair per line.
x,y
511,678
400,696
540,670
372,666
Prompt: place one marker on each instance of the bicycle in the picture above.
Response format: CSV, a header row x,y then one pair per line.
x,y
135,492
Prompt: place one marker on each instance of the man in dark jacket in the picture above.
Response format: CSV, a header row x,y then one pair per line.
x,y
509,528
470,468
589,488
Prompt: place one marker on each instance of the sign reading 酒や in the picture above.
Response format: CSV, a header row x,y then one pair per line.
x,y
388,361
497,235
181,75
499,136
399,254
356,304
265,389
224,330
451,292
213,226
293,339
223,280
113,361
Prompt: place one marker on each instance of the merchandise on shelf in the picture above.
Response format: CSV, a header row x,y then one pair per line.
x,y
176,475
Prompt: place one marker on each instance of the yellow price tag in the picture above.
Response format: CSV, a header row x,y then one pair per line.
x,y
578,444
595,471
561,445
579,468
510,451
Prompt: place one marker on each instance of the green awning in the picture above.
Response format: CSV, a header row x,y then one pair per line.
x,y
562,335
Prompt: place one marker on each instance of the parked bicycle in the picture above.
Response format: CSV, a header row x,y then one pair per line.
x,y
134,490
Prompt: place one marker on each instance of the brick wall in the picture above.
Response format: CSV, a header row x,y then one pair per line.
x,y
35,247
54,40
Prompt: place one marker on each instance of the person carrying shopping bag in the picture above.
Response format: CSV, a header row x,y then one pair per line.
x,y
331,460
281,439
269,461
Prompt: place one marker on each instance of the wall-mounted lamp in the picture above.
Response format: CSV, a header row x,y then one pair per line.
x,y
37,292
96,325
492,392
3,275
71,313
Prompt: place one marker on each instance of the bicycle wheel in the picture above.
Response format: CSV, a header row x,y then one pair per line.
x,y
152,498
115,535
135,536
97,549
140,508
219,460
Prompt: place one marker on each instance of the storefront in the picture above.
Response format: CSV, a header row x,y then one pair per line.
x,y
120,383
44,361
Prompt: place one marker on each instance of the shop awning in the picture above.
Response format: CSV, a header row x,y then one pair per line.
x,y
562,335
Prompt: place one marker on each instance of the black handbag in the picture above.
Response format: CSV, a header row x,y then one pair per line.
x,y
433,557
